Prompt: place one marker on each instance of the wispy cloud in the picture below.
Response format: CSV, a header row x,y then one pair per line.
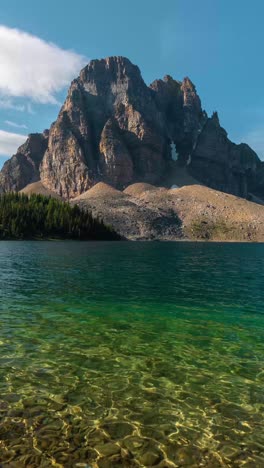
x,y
14,124
30,108
255,139
33,68
9,142
10,105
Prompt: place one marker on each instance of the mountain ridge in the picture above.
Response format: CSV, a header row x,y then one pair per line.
x,y
114,128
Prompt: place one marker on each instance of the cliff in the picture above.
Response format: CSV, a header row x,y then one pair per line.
x,y
115,129
23,168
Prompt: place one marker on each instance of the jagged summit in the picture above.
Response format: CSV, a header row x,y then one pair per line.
x,y
118,65
113,128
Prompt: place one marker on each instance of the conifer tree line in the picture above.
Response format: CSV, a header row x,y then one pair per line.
x,y
40,217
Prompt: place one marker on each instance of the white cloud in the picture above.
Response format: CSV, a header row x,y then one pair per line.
x,y
255,139
9,142
14,124
34,68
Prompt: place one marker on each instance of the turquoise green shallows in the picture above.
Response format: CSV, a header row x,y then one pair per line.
x,y
131,354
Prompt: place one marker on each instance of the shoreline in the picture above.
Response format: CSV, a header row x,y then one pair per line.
x,y
162,241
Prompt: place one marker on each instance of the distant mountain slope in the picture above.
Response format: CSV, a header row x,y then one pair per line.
x,y
38,188
194,212
115,129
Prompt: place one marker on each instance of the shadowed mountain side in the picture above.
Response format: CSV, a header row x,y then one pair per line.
x,y
178,175
23,168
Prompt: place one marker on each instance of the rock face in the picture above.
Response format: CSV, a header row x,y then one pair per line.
x,y
23,168
108,129
115,129
257,185
220,164
182,113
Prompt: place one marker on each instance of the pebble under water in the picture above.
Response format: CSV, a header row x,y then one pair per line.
x,y
131,354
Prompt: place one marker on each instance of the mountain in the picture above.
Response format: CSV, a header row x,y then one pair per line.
x,y
115,129
23,167
194,212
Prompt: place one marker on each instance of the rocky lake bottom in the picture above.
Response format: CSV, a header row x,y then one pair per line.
x,y
131,354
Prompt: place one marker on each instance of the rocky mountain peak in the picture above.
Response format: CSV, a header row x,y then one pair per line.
x,y
111,76
188,84
114,128
190,96
215,118
101,69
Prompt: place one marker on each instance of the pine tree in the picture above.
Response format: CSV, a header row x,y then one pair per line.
x,y
37,216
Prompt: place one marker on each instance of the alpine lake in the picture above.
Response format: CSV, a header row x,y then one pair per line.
x,y
133,354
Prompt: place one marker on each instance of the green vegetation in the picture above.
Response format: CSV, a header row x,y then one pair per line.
x,y
40,217
208,229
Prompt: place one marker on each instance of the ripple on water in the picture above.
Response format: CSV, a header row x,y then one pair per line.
x,y
169,376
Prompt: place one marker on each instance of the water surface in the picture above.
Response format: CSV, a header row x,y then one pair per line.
x,y
131,354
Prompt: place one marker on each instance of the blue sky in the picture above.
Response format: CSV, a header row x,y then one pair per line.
x,y
217,43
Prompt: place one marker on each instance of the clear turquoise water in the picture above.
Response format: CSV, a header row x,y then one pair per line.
x,y
131,354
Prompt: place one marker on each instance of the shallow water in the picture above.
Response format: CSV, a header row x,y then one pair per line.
x,y
131,354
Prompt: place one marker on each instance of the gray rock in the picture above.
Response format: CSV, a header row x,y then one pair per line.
x,y
116,129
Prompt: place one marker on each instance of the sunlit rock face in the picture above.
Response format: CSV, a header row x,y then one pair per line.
x,y
109,129
114,128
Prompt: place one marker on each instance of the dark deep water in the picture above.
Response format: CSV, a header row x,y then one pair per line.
x,y
131,354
